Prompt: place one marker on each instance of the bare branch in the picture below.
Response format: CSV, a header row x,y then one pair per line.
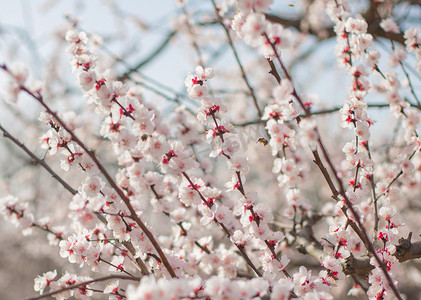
x,y
37,160
404,251
327,33
237,58
150,57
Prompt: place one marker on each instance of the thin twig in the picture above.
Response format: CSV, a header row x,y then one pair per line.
x,y
237,58
37,160
84,284
150,57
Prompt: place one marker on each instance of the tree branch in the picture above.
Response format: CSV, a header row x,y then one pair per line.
x,y
84,284
373,29
37,160
237,58
404,251
149,58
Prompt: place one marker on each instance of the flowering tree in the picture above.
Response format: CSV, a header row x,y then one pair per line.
x,y
239,188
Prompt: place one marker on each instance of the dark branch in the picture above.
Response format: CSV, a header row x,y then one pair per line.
x,y
150,57
404,251
327,33
84,284
37,160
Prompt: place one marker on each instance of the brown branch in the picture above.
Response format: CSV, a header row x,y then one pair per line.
x,y
237,58
327,33
37,160
121,269
404,251
144,270
361,266
84,284
46,229
149,58
326,175
273,71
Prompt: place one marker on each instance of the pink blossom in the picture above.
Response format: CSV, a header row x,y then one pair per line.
x,y
389,25
253,27
42,282
91,186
